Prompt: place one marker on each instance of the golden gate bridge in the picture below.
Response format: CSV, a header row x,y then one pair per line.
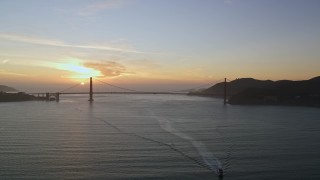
x,y
49,96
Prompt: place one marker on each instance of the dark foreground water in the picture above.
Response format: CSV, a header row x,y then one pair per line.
x,y
157,137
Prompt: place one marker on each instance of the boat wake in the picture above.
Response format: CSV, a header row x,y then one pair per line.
x,y
211,162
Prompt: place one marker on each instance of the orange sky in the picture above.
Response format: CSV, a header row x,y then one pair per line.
x,y
160,45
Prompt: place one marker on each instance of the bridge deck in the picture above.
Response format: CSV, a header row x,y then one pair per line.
x,y
115,93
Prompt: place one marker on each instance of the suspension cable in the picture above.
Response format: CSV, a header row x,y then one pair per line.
x,y
133,90
71,87
127,89
175,91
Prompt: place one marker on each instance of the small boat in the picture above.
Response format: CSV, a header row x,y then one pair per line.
x,y
220,173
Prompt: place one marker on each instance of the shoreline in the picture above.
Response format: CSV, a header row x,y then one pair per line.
x,y
18,97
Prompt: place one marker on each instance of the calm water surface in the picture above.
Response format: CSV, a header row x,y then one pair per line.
x,y
157,137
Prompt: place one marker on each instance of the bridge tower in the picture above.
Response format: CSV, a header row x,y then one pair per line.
x,y
225,91
47,96
91,93
57,96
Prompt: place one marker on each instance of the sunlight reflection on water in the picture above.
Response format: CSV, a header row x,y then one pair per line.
x,y
76,139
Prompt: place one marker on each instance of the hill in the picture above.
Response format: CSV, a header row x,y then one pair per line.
x,y
234,87
284,92
4,88
15,97
253,91
9,94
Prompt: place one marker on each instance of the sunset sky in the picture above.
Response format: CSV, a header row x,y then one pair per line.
x,y
156,44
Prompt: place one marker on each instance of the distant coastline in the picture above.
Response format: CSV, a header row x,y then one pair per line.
x,y
10,94
249,91
16,97
4,88
244,91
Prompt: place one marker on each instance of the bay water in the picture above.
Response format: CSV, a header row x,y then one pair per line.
x,y
157,137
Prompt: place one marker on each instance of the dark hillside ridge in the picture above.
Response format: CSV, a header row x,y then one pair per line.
x,y
4,88
234,87
15,97
9,94
284,92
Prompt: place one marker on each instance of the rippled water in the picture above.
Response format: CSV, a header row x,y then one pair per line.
x,y
157,137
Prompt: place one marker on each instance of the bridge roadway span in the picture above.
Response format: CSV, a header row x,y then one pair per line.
x,y
114,93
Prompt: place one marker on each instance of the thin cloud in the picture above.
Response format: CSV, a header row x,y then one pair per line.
x,y
99,6
78,68
107,69
4,72
29,39
5,61
57,43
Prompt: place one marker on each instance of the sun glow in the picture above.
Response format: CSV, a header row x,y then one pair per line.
x,y
78,71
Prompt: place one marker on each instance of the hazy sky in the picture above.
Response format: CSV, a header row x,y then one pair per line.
x,y
146,44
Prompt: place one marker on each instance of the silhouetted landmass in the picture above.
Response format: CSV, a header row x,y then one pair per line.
x,y
20,96
4,88
14,95
233,87
253,92
300,93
